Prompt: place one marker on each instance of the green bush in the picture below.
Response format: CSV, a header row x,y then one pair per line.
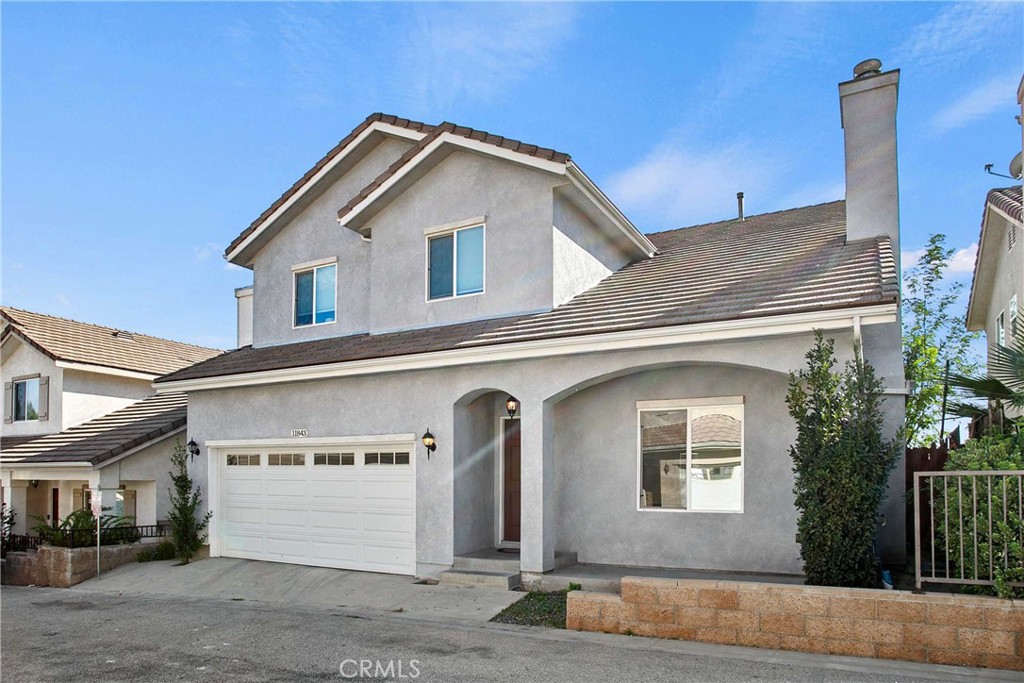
x,y
78,530
187,529
1003,544
842,465
7,517
164,550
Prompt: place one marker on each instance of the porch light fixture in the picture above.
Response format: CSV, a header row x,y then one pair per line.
x,y
512,406
429,443
193,448
35,483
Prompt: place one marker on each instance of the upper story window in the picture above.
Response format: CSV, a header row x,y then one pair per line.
x,y
1013,316
26,399
1001,329
691,455
455,263
315,294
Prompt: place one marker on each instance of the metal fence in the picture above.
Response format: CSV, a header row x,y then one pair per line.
x,y
84,538
966,525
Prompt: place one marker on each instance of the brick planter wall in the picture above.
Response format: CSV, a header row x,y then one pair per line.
x,y
935,628
63,567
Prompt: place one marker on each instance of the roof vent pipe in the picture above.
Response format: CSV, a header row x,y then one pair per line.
x,y
739,205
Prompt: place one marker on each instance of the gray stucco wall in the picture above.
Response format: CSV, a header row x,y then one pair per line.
x,y
596,477
474,468
410,402
517,204
88,395
21,360
153,463
1007,277
313,235
584,257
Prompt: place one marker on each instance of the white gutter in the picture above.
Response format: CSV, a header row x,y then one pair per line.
x,y
593,343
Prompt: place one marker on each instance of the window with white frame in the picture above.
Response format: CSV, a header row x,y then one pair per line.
x,y
386,459
455,263
243,460
315,295
334,459
26,399
286,460
1001,328
1013,316
691,455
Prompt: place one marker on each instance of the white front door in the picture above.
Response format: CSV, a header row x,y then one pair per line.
x,y
329,506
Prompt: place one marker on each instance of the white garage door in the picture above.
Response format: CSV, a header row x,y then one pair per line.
x,y
351,508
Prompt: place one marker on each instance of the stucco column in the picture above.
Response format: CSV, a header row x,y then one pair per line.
x,y
537,534
16,497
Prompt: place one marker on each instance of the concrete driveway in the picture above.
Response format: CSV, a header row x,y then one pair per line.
x,y
272,582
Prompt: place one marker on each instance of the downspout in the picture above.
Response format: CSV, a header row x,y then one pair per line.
x,y
858,340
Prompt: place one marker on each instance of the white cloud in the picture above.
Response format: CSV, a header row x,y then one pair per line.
x,y
979,102
676,185
963,260
961,263
203,253
228,265
61,299
957,31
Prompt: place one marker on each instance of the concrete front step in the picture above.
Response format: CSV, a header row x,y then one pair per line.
x,y
480,577
497,561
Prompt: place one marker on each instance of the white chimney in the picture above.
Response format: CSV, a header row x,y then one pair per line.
x,y
868,109
244,297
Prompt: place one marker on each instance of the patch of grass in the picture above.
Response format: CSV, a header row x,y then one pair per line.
x,y
536,608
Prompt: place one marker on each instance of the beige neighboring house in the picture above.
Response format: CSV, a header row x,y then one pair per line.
x,y
80,413
997,290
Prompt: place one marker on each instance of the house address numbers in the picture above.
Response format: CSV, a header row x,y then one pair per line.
x,y
300,433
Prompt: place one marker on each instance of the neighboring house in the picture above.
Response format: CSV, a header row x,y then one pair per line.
x,y
997,290
80,412
419,278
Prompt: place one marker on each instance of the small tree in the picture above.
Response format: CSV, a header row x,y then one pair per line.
x,y
842,465
186,527
934,333
7,517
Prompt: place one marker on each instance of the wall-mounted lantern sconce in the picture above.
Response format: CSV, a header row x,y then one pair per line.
x,y
193,448
512,406
429,443
666,469
35,483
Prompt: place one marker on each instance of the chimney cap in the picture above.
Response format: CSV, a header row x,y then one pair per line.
x,y
869,67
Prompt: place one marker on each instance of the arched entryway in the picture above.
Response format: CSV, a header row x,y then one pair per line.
x,y
487,472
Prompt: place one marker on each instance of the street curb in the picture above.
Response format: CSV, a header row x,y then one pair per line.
x,y
895,669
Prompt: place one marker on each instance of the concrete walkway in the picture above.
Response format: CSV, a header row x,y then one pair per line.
x,y
607,578
290,584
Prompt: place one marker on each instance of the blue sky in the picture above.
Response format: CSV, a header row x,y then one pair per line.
x,y
139,139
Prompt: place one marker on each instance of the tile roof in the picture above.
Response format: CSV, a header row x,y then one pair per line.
x,y
778,263
7,442
77,342
1008,200
106,437
462,131
345,142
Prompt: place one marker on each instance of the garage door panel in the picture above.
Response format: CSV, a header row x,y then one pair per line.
x,y
337,520
242,514
334,490
297,519
287,548
350,517
243,487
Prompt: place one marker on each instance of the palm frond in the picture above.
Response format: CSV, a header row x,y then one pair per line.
x,y
988,388
965,409
1007,363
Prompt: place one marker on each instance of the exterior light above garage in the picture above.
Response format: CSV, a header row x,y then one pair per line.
x,y
511,405
193,448
429,443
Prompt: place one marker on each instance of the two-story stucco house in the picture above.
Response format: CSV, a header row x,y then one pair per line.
x,y
998,283
586,391
80,412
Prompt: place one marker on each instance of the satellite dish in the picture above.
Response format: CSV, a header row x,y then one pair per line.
x,y
868,67
1015,166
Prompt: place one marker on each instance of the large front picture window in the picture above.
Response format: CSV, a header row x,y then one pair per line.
x,y
691,456
455,263
315,293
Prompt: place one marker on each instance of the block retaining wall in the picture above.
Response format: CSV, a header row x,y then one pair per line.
x,y
936,628
63,567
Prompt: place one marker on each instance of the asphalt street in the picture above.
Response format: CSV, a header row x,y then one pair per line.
x,y
68,635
